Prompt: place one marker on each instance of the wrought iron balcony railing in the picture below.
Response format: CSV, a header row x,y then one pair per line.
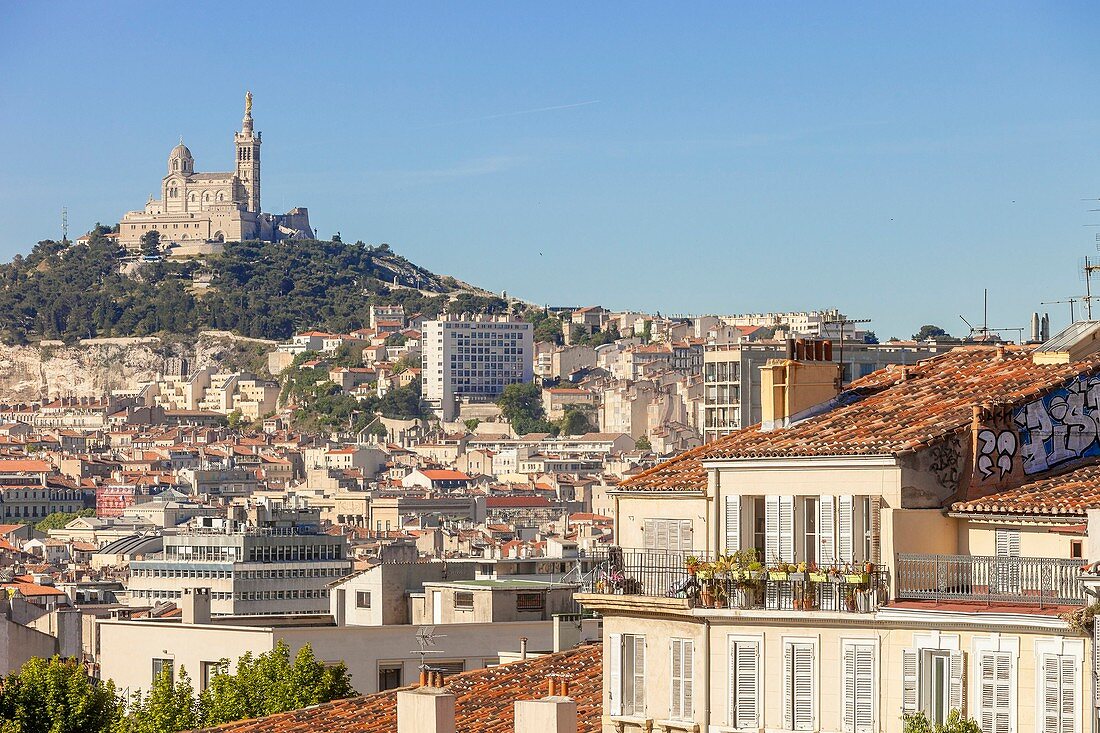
x,y
1042,581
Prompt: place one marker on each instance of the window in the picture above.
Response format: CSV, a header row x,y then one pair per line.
x,y
161,665
626,687
779,529
668,534
362,599
207,672
932,682
995,691
389,676
744,683
798,686
1076,549
529,602
810,517
859,687
683,674
1059,693
1006,564
464,600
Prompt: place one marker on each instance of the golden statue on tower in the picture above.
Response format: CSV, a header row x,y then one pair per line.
x,y
248,104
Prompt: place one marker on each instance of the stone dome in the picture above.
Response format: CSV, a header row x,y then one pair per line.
x,y
181,160
181,151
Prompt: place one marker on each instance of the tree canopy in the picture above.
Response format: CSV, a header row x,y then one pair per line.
x,y
56,696
929,331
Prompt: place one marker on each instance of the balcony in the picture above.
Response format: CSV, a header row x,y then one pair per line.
x,y
665,574
1041,581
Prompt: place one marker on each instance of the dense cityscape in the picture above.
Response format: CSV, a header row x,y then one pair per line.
x,y
256,479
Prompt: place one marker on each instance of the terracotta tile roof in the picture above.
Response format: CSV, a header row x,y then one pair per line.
x,y
893,411
1072,492
485,700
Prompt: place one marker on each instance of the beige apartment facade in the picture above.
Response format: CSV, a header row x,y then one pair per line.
x,y
920,549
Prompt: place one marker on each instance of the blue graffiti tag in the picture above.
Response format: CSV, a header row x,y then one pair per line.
x,y
1062,426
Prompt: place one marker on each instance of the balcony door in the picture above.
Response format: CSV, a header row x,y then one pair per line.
x,y
1006,564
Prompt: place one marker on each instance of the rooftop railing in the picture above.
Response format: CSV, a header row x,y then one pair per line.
x,y
666,574
1042,581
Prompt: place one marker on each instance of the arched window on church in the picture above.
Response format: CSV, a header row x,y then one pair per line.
x,y
175,165
192,198
221,196
205,198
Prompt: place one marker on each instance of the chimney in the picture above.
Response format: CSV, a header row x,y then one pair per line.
x,y
556,713
427,709
195,605
789,389
1036,334
523,647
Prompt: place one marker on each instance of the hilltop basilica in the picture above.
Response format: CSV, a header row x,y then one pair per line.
x,y
195,209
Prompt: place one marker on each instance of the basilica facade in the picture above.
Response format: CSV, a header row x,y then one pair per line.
x,y
200,209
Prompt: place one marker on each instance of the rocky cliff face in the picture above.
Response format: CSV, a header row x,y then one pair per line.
x,y
97,366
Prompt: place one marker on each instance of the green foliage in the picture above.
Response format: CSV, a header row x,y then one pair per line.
x,y
471,303
928,331
150,242
521,405
956,723
471,424
575,421
647,331
56,696
408,361
579,336
396,339
273,683
57,520
168,707
259,289
643,443
235,420
547,328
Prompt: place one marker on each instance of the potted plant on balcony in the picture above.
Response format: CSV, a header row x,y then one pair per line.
x,y
778,572
816,574
691,564
799,572
747,575
705,575
850,598
854,575
721,569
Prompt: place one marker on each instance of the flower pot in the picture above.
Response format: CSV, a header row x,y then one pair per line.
x,y
796,576
855,578
706,598
777,575
818,577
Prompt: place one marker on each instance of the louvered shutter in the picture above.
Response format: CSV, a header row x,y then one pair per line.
x,y
826,527
788,686
672,535
1051,694
1069,693
687,707
845,517
910,671
994,696
771,529
733,523
848,673
803,687
639,675
956,688
744,660
786,529
615,674
676,689
650,534
687,536
864,688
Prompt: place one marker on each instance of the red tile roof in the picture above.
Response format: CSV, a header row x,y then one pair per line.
x,y
893,411
444,475
485,700
1073,492
25,466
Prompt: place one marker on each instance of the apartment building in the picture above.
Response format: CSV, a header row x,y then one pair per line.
x,y
472,361
920,538
731,372
276,562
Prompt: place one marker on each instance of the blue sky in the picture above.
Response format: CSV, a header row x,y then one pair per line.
x,y
888,160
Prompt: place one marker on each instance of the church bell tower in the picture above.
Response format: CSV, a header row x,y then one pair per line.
x,y
248,158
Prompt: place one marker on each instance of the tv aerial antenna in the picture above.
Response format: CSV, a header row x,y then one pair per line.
x,y
426,641
844,322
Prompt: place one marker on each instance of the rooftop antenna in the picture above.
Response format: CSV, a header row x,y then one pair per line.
x,y
1088,268
425,639
1071,301
844,322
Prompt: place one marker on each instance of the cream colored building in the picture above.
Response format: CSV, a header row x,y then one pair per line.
x,y
942,511
213,207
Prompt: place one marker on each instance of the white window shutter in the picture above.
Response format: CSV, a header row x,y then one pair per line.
x,y
639,675
615,674
650,534
1007,542
1068,708
864,688
744,682
687,536
848,674
910,672
845,521
672,535
803,687
733,523
826,527
956,691
994,694
786,529
788,686
771,529
687,650
675,653
1051,703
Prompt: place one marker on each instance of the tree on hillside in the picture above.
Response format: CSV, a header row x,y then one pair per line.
x,y
271,683
56,696
150,242
521,405
57,520
168,707
575,421
929,331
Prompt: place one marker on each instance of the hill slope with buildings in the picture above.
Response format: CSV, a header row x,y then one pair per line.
x,y
88,289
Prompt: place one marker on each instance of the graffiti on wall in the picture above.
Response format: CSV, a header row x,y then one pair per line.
x,y
996,452
1061,426
946,457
